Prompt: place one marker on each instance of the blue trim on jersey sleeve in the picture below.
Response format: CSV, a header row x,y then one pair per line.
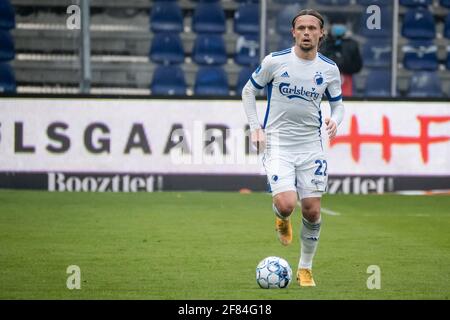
x,y
339,97
330,98
257,86
269,95
327,60
281,53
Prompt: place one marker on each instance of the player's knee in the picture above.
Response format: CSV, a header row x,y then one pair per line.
x,y
285,208
311,213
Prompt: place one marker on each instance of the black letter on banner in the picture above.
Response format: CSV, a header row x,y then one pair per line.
x,y
142,142
248,142
182,143
104,143
210,138
18,144
58,137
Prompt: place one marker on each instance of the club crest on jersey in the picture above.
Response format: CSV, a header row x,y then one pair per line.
x,y
318,78
296,92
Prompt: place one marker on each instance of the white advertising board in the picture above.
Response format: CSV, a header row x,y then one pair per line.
x,y
135,136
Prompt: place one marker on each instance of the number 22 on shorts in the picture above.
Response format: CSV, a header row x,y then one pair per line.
x,y
322,168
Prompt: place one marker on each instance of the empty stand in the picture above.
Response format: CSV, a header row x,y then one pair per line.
x,y
168,80
384,30
447,27
375,2
211,81
167,48
7,15
130,41
378,83
247,50
244,76
425,84
419,24
447,63
209,49
334,2
7,50
415,3
7,78
284,18
377,53
166,17
209,17
445,3
246,19
420,55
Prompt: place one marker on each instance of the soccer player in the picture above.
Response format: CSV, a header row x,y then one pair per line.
x,y
294,159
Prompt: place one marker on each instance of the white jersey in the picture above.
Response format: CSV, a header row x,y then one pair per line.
x,y
295,88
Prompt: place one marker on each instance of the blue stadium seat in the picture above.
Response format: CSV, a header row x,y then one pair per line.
x,y
425,84
334,2
376,2
211,81
378,83
7,78
416,3
418,24
247,50
377,53
447,63
284,18
385,30
166,17
291,1
7,15
447,27
246,19
209,49
168,80
7,49
209,17
243,77
420,55
167,48
445,3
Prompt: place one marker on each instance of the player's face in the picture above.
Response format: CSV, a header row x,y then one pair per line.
x,y
307,32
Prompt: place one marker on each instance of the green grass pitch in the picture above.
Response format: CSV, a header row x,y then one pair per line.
x,y
199,245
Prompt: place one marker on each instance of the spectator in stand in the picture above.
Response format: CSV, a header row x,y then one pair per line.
x,y
344,51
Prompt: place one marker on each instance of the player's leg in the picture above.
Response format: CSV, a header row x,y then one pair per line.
x,y
312,181
309,239
280,172
283,205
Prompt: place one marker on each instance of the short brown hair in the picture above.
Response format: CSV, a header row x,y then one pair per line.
x,y
314,13
309,12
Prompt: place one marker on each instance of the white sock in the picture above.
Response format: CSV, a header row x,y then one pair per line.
x,y
309,240
277,213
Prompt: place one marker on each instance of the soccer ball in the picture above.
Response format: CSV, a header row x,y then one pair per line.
x,y
273,272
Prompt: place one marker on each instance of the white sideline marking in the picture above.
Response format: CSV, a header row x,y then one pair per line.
x,y
330,212
324,210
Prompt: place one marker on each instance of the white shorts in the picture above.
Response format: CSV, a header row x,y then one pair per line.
x,y
302,172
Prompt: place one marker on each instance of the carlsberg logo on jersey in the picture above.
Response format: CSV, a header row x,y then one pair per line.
x,y
296,92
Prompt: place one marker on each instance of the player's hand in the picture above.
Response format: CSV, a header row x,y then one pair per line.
x,y
331,127
258,138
